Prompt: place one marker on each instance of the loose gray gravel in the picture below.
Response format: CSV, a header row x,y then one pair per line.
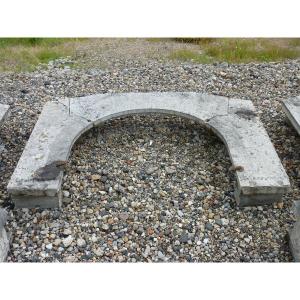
x,y
150,188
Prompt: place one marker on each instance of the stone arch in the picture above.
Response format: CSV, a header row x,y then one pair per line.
x,y
37,179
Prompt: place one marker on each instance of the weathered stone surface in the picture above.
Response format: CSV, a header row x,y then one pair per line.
x,y
291,107
296,206
4,243
50,171
261,178
294,236
53,136
3,217
3,111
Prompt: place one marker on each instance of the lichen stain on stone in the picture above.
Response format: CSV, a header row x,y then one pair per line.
x,y
246,114
50,171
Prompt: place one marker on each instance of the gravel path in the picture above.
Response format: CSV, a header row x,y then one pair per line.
x,y
155,187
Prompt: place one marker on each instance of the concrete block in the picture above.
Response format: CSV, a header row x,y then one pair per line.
x,y
296,208
291,107
4,109
4,242
294,236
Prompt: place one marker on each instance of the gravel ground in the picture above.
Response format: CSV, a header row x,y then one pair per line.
x,y
149,188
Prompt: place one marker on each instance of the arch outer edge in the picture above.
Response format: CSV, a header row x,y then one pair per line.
x,y
260,180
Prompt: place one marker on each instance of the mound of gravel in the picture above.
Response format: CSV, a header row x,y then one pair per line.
x,y
155,187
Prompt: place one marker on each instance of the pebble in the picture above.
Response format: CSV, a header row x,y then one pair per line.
x,y
209,226
49,246
98,252
225,222
160,255
57,242
94,239
105,227
147,251
66,194
67,231
81,242
124,216
151,170
130,188
184,238
170,171
95,177
67,241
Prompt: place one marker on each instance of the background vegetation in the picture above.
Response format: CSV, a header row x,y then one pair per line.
x,y
233,50
24,54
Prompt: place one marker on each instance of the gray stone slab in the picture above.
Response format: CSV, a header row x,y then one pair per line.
x,y
51,140
3,112
296,207
261,178
3,217
264,179
4,245
4,242
291,107
294,237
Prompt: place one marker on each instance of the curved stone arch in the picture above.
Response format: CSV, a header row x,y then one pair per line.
x,y
37,179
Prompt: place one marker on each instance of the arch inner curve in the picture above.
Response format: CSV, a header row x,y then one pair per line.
x,y
37,179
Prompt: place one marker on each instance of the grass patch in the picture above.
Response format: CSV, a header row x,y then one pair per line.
x,y
188,55
241,50
24,54
198,41
154,40
294,42
248,50
29,42
46,55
